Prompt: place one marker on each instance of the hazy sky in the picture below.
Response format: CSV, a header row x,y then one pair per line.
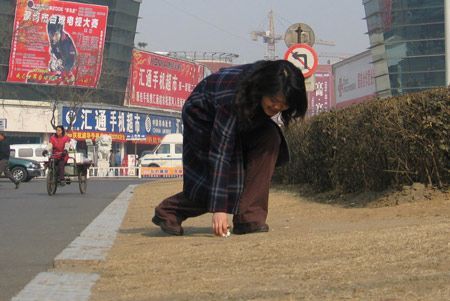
x,y
212,25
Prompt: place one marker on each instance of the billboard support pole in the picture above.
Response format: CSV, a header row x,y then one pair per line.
x,y
447,41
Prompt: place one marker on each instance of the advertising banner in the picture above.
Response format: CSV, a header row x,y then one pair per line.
x,y
158,81
161,172
91,123
57,43
321,99
354,79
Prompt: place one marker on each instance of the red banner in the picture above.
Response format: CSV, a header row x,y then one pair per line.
x,y
159,81
57,43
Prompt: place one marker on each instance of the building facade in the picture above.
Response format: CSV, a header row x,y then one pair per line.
x,y
119,43
407,43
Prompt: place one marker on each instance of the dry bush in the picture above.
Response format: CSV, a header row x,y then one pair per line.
x,y
373,146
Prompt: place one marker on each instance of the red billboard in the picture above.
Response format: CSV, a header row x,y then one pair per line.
x,y
322,98
57,43
158,81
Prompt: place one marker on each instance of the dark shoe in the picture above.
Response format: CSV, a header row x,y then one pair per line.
x,y
249,228
17,185
173,229
62,183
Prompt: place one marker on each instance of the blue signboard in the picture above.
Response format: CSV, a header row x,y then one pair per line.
x,y
135,126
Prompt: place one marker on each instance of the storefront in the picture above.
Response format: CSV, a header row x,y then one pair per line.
x,y
132,131
26,122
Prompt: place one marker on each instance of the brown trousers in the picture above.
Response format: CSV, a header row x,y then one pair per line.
x,y
261,147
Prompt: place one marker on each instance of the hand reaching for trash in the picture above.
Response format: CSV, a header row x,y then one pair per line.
x,y
220,224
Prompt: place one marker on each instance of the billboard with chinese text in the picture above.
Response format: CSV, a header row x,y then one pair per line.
x,y
57,43
322,98
121,125
158,81
354,80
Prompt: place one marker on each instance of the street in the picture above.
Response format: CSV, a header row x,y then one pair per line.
x,y
35,227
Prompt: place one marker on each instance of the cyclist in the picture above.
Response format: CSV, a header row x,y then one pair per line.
x,y
59,146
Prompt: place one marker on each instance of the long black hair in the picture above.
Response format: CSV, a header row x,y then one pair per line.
x,y
62,128
268,78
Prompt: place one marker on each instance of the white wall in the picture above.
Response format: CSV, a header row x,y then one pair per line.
x,y
26,116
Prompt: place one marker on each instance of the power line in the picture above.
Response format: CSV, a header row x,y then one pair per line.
x,y
206,21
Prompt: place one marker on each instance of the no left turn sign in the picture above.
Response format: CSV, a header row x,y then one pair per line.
x,y
303,57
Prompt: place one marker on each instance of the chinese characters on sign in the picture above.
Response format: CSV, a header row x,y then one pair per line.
x,y
161,82
158,172
90,123
57,43
354,79
320,100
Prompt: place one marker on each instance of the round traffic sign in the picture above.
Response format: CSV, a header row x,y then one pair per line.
x,y
303,57
299,33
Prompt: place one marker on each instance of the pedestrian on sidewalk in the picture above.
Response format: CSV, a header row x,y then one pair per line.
x,y
231,145
4,159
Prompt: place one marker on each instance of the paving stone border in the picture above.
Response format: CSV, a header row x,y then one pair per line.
x,y
91,247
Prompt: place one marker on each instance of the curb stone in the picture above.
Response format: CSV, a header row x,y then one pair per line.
x,y
89,248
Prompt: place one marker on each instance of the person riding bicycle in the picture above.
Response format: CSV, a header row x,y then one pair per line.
x,y
59,147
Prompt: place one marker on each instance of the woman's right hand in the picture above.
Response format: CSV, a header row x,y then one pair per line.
x,y
220,223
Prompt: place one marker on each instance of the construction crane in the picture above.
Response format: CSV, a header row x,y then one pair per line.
x,y
269,37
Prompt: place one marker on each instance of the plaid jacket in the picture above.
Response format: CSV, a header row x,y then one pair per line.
x,y
212,152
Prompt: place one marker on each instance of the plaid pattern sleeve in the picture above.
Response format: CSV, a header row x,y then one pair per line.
x,y
223,141
213,160
212,154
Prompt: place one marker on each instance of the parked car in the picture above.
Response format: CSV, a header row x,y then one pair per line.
x,y
24,170
169,153
29,152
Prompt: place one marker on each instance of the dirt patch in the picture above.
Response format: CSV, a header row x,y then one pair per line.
x,y
313,251
388,198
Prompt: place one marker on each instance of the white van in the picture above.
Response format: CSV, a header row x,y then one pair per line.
x,y
167,154
30,152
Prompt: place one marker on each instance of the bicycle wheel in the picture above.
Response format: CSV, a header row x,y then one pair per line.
x,y
82,181
51,182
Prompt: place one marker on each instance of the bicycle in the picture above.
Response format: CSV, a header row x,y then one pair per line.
x,y
78,170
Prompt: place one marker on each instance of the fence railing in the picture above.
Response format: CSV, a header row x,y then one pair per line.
x,y
113,172
135,172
